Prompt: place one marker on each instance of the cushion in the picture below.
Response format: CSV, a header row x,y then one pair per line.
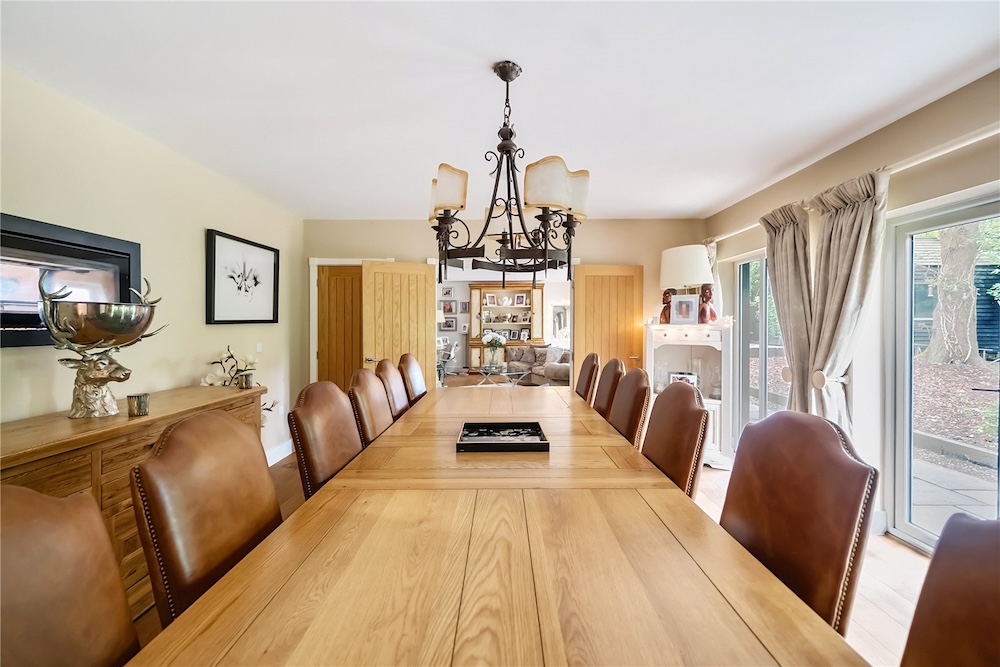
x,y
528,355
516,354
553,354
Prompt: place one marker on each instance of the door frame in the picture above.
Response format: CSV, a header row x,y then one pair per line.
x,y
969,205
314,264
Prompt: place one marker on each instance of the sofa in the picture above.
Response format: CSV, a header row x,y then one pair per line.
x,y
546,365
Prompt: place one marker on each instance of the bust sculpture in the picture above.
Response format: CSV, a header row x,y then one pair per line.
x,y
706,311
668,295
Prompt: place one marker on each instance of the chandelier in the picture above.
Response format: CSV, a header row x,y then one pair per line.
x,y
529,237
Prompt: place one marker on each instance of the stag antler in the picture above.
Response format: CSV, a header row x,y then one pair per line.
x,y
144,301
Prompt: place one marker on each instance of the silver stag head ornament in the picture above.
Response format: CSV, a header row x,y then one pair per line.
x,y
95,331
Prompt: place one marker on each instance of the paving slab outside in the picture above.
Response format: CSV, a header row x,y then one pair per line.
x,y
938,492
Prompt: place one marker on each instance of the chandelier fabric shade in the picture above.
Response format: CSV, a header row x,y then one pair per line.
x,y
520,234
685,266
549,183
449,190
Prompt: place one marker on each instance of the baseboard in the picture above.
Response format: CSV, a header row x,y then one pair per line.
x,y
879,524
278,452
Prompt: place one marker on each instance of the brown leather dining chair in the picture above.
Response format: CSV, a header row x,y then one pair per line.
x,y
371,405
395,389
631,405
611,375
587,381
203,500
62,601
958,611
799,500
413,378
324,434
675,437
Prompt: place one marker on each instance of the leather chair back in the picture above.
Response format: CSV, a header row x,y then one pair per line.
x,y
371,405
631,405
203,500
395,390
958,611
799,500
612,374
587,381
61,601
413,378
324,434
675,437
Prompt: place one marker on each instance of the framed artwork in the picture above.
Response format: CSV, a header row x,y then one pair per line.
x,y
520,299
487,316
463,306
447,292
448,307
684,309
450,324
690,378
241,280
465,328
513,319
486,331
525,333
491,299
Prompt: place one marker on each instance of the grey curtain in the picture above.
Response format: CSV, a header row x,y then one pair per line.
x,y
850,245
791,286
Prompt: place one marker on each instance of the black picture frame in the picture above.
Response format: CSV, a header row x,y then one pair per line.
x,y
241,280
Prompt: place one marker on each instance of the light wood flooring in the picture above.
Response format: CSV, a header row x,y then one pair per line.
x,y
891,574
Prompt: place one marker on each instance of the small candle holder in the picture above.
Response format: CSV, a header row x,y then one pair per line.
x,y
138,405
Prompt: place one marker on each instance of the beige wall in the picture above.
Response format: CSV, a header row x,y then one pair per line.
x,y
65,164
597,242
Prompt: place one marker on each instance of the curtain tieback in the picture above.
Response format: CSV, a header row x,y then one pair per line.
x,y
820,379
786,374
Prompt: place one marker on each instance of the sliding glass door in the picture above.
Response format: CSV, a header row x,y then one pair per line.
x,y
947,368
760,350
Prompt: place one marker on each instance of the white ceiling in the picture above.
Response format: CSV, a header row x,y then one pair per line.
x,y
342,110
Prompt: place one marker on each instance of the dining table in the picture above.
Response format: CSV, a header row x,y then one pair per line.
x,y
416,554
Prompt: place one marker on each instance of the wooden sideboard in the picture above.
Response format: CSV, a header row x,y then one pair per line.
x,y
60,456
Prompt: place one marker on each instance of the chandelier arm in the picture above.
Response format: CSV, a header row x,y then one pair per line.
x,y
517,197
493,200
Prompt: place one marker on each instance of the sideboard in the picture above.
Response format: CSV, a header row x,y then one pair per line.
x,y
59,456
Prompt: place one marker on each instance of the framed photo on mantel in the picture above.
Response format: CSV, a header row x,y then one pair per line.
x,y
241,280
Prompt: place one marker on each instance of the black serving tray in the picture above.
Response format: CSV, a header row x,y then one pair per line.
x,y
502,437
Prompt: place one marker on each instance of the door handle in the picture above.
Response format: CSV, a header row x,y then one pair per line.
x,y
636,357
369,360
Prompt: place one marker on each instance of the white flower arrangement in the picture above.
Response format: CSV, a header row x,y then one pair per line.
x,y
494,341
231,367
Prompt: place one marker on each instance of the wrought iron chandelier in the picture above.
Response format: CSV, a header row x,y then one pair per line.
x,y
554,196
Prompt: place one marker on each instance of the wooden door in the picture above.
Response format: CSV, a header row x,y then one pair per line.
x,y
399,313
607,313
338,324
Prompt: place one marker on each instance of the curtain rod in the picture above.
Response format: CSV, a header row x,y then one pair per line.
x,y
958,143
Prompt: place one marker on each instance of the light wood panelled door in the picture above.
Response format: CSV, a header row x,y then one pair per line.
x,y
399,313
339,351
607,306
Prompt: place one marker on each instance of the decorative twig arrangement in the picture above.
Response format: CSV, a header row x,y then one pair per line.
x,y
230,369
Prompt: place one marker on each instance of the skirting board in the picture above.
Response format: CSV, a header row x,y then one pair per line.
x,y
278,452
879,524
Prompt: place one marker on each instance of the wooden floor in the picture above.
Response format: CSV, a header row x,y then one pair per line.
x,y
891,576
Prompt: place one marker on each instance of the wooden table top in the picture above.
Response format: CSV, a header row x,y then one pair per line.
x,y
415,554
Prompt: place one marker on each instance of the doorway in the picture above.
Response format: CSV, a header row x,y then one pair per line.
x,y
946,283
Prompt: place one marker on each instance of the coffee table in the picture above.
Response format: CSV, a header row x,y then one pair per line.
x,y
489,372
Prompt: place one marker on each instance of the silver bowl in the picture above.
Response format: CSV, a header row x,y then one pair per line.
x,y
112,324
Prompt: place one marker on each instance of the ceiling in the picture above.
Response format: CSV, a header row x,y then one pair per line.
x,y
343,110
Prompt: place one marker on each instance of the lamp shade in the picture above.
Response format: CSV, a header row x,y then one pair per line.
x,y
684,266
549,183
448,190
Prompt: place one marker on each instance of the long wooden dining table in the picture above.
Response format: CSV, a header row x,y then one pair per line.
x,y
417,555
